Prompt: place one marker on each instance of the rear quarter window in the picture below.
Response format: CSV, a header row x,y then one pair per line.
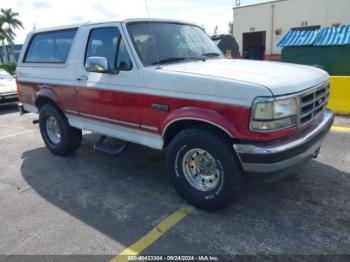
x,y
50,47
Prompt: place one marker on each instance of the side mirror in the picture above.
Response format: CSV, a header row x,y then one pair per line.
x,y
99,64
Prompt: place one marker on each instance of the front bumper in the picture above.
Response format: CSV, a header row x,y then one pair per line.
x,y
284,155
8,97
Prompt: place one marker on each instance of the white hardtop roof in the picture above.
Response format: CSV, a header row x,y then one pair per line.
x,y
77,25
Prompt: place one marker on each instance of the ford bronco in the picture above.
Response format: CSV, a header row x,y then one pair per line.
x,y
164,84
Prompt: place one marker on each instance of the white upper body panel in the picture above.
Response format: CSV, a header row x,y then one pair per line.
x,y
167,82
280,78
218,80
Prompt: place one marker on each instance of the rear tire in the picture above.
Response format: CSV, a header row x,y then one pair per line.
x,y
60,138
204,168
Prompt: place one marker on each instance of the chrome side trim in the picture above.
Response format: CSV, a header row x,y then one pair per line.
x,y
117,131
153,128
109,120
72,112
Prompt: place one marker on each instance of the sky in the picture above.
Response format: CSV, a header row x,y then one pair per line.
x,y
46,13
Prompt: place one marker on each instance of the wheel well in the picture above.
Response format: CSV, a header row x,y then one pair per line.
x,y
180,125
41,101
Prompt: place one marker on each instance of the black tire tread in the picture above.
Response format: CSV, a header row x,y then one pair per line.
x,y
71,137
224,145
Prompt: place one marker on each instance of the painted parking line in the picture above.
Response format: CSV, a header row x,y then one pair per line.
x,y
153,235
16,134
340,129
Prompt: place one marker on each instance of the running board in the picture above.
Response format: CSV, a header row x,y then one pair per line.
x,y
108,149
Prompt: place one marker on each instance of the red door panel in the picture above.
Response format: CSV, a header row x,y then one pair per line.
x,y
110,104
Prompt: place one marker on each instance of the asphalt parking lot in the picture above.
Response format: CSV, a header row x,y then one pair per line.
x,y
94,204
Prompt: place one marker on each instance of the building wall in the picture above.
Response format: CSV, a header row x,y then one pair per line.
x,y
287,14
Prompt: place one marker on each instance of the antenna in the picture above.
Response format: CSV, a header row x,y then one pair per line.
x,y
238,2
153,38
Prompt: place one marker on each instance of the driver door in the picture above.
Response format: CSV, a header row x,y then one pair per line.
x,y
109,97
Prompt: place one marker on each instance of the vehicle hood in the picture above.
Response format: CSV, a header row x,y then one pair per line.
x,y
7,86
279,78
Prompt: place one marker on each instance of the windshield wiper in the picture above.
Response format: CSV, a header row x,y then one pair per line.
x,y
177,59
212,54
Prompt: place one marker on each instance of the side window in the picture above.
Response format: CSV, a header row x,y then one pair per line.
x,y
50,47
105,42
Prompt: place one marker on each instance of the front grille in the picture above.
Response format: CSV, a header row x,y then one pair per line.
x,y
312,103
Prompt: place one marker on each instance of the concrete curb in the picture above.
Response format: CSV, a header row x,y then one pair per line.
x,y
339,101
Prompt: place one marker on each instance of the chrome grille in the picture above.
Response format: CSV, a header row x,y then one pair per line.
x,y
312,103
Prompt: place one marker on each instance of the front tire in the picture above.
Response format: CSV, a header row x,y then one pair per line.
x,y
60,138
204,168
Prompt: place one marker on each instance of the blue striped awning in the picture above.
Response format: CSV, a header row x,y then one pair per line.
x,y
325,37
299,38
334,36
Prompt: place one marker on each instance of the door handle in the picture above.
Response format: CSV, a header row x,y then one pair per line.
x,y
82,77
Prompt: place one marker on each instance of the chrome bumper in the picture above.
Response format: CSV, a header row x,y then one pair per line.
x,y
282,155
12,96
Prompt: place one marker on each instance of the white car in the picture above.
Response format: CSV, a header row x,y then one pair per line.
x,y
8,89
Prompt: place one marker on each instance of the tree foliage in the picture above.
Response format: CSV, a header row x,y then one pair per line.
x,y
9,67
9,22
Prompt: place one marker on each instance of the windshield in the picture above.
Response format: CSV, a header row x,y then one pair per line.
x,y
166,42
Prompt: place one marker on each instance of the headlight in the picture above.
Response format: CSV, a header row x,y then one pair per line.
x,y
274,114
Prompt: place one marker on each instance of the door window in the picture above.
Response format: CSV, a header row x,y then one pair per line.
x,y
107,42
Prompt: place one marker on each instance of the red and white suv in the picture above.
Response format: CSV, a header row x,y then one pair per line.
x,y
164,84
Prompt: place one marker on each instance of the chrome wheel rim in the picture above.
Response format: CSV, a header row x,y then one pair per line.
x,y
53,130
200,169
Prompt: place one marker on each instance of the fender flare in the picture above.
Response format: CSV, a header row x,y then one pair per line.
x,y
47,93
201,115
